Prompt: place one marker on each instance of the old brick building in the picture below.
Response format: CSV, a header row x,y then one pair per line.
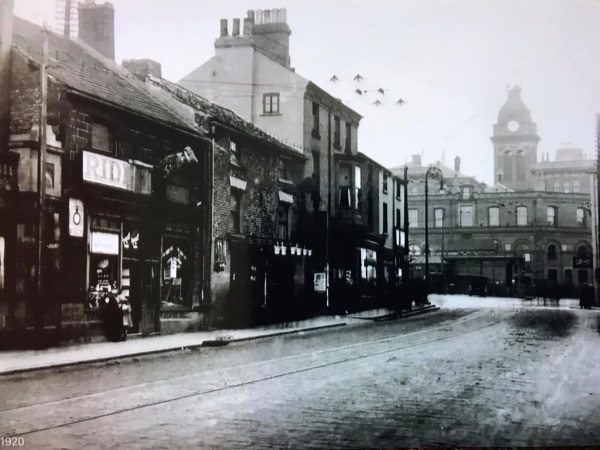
x,y
110,220
342,189
533,226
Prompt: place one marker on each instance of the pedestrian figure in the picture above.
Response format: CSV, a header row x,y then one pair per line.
x,y
587,296
112,317
127,322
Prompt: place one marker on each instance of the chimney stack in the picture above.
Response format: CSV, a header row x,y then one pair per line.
x,y
141,68
271,34
248,23
97,27
457,164
223,27
236,27
251,15
416,159
6,37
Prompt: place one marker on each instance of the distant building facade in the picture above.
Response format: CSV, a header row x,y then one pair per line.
x,y
532,226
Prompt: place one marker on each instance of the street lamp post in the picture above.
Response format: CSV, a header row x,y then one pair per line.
x,y
436,174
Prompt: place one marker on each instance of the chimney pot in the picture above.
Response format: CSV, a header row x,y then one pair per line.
x,y
236,27
259,16
223,27
267,16
251,14
274,15
248,23
282,15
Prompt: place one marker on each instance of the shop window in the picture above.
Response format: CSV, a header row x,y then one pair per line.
x,y
283,221
368,270
568,277
103,265
175,273
101,137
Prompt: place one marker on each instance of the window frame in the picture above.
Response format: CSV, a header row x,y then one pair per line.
x,y
497,209
111,136
549,222
283,218
283,167
436,218
519,216
268,100
385,221
316,114
413,212
236,194
461,215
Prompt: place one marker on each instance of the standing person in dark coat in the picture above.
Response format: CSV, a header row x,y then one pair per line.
x,y
113,318
587,296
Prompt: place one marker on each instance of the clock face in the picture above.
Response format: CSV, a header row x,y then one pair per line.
x,y
513,125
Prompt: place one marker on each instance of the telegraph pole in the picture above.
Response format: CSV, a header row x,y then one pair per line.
x,y
41,175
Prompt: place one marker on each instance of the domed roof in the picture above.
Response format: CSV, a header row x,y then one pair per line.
x,y
514,108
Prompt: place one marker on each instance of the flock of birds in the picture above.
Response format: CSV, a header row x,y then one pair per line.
x,y
381,91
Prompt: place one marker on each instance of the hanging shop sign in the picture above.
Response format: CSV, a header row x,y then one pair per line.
x,y
76,215
129,175
104,243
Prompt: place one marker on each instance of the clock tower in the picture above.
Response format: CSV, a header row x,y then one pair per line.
x,y
515,142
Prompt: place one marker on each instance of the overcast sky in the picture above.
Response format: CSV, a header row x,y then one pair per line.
x,y
449,60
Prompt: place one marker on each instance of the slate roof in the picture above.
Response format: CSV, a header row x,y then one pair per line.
x,y
220,113
80,68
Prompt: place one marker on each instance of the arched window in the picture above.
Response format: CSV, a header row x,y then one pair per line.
x,y
582,251
552,252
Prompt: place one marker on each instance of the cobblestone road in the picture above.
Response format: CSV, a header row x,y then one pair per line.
x,y
492,377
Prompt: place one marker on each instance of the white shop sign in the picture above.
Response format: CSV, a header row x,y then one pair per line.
x,y
76,215
105,170
104,243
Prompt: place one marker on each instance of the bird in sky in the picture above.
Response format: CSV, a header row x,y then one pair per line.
x,y
358,91
377,103
333,78
358,77
400,102
381,90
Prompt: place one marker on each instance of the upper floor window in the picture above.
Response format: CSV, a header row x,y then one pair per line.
x,y
414,189
283,221
556,186
576,186
348,137
413,218
522,216
466,215
101,137
236,211
494,216
316,159
316,123
336,134
271,103
551,216
552,251
466,192
398,189
385,218
567,186
235,152
398,217
438,215
357,187
283,168
580,216
385,183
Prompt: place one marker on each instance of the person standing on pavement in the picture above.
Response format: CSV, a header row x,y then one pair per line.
x,y
112,317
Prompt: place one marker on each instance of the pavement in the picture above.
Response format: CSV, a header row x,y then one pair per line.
x,y
13,362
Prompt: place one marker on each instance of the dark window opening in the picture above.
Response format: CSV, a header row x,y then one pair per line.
x,y
236,211
348,138
385,218
552,274
336,134
552,251
283,221
316,123
283,168
102,138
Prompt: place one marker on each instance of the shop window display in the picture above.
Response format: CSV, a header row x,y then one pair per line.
x,y
175,265
104,272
